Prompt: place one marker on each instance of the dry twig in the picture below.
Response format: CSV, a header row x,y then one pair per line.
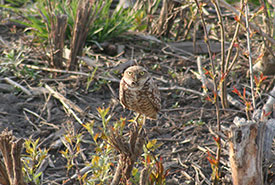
x,y
68,104
10,81
250,55
223,92
206,37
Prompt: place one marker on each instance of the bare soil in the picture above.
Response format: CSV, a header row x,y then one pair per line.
x,y
183,128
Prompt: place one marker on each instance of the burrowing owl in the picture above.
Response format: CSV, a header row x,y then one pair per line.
x,y
139,93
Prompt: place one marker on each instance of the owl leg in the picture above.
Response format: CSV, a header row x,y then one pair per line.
x,y
144,120
136,119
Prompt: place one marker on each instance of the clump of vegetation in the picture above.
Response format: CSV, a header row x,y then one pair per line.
x,y
117,148
107,25
33,161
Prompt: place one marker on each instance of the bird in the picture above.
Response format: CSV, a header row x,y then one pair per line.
x,y
138,92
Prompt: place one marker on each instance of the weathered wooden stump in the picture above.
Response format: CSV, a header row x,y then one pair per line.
x,y
249,145
10,166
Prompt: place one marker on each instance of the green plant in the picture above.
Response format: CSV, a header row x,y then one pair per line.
x,y
18,3
72,142
172,73
11,60
108,25
259,81
32,160
144,20
103,113
214,161
158,174
105,27
154,164
101,158
245,100
12,56
195,122
91,78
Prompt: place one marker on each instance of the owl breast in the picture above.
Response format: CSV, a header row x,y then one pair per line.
x,y
144,100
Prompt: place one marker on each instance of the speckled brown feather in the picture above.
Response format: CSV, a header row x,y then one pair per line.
x,y
144,100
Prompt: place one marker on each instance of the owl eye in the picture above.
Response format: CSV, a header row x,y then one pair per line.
x,y
141,73
130,73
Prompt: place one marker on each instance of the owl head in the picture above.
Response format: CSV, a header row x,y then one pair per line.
x,y
135,77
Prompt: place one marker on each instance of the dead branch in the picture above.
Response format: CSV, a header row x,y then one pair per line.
x,y
69,72
25,90
68,104
181,89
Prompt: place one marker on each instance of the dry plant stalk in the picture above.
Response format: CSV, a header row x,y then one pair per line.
x,y
56,31
224,100
149,6
206,37
144,176
249,54
58,39
86,14
4,178
11,170
68,104
234,40
129,150
167,18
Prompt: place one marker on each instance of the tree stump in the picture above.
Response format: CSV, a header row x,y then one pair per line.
x,y
249,145
11,167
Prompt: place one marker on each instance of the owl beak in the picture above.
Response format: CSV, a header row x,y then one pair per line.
x,y
134,83
135,78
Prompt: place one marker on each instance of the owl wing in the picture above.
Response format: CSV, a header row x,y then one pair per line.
x,y
122,93
154,95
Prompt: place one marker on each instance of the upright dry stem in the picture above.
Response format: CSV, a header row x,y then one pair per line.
x,y
249,53
218,153
223,64
86,14
233,41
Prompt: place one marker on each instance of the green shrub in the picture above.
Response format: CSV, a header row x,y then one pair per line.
x,y
106,26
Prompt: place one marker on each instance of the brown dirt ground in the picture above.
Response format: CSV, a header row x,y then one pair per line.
x,y
184,140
